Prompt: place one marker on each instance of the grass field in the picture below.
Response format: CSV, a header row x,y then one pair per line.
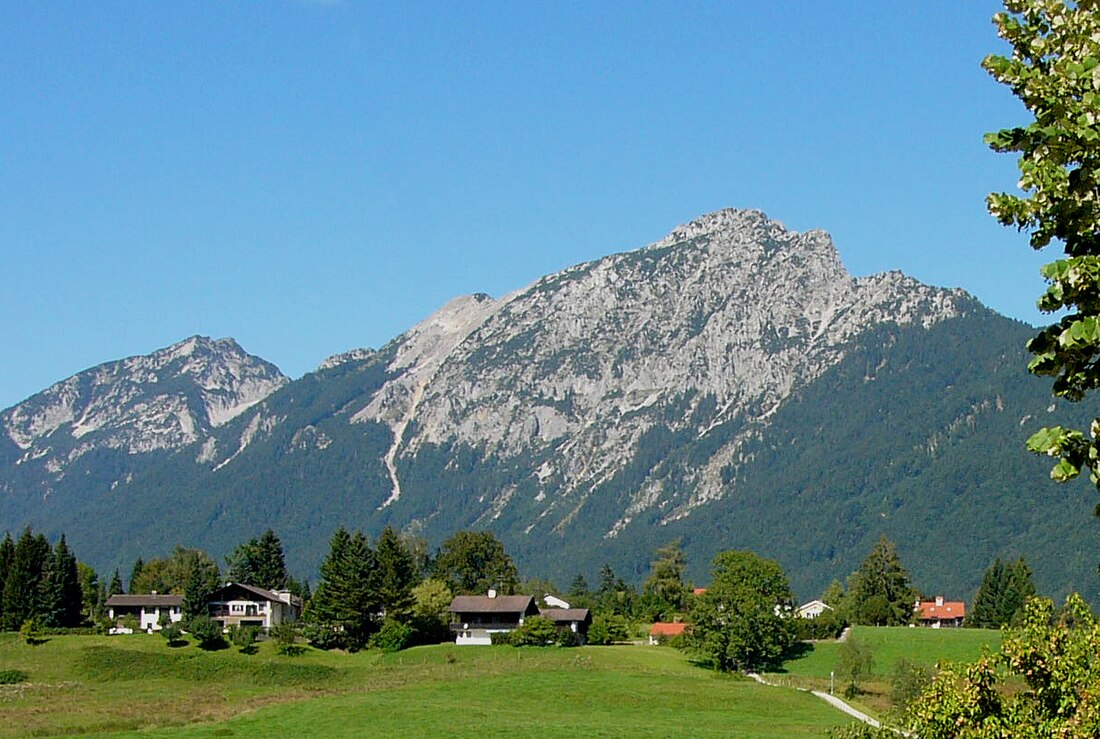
x,y
888,644
137,686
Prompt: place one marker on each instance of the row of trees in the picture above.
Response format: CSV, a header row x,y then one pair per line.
x,y
40,583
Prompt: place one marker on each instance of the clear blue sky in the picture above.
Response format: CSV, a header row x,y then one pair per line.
x,y
310,177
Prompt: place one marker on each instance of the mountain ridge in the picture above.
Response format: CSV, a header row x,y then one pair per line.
x,y
587,416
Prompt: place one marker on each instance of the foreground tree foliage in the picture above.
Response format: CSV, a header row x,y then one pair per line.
x,y
1054,70
741,622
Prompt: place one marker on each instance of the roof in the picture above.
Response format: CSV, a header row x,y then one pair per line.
x,y
145,599
814,605
662,628
698,591
951,609
565,614
260,593
499,604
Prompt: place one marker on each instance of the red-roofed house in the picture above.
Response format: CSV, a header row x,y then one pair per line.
x,y
663,630
939,612
698,591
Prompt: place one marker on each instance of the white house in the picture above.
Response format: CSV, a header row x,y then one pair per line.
x,y
147,607
237,604
813,609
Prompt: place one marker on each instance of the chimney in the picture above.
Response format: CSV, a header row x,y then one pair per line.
x,y
492,593
939,600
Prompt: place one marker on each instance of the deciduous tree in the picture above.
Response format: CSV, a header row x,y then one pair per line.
x,y
1054,69
741,622
472,562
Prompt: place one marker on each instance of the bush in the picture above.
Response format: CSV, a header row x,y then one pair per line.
x,y
828,625
285,636
130,621
172,633
31,632
854,664
244,638
392,637
535,631
599,633
908,681
208,633
568,638
13,677
498,638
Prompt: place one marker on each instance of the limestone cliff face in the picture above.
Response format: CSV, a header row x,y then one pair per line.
x,y
169,399
718,322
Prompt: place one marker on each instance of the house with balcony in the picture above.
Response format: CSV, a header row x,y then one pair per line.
x,y
475,618
146,607
237,604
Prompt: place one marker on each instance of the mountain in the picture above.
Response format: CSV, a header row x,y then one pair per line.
x,y
730,384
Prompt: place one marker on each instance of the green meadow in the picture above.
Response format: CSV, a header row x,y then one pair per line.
x,y
888,645
138,686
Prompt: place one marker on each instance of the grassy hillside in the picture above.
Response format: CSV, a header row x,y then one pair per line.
x,y
888,645
122,686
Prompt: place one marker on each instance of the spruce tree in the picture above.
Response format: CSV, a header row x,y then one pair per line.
x,y
7,557
62,599
269,562
346,604
881,594
395,574
21,587
135,575
115,588
985,611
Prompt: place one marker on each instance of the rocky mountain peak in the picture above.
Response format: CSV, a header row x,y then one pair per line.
x,y
165,399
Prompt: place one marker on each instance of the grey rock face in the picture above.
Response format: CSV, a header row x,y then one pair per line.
x,y
731,309
165,400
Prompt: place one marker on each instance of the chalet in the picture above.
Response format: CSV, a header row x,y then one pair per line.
x,y
813,609
663,631
146,607
477,617
237,604
939,613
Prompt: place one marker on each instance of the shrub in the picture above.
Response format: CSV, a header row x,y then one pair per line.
x,y
130,621
392,637
599,633
568,638
31,632
285,636
172,633
854,664
535,631
244,638
908,681
208,633
13,677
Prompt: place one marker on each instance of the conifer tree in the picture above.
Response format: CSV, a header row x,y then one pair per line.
x,y
346,604
259,562
880,593
115,587
21,587
396,575
135,575
7,557
61,597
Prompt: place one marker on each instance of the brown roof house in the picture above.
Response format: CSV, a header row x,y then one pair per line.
x,y
477,617
237,604
146,607
939,613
